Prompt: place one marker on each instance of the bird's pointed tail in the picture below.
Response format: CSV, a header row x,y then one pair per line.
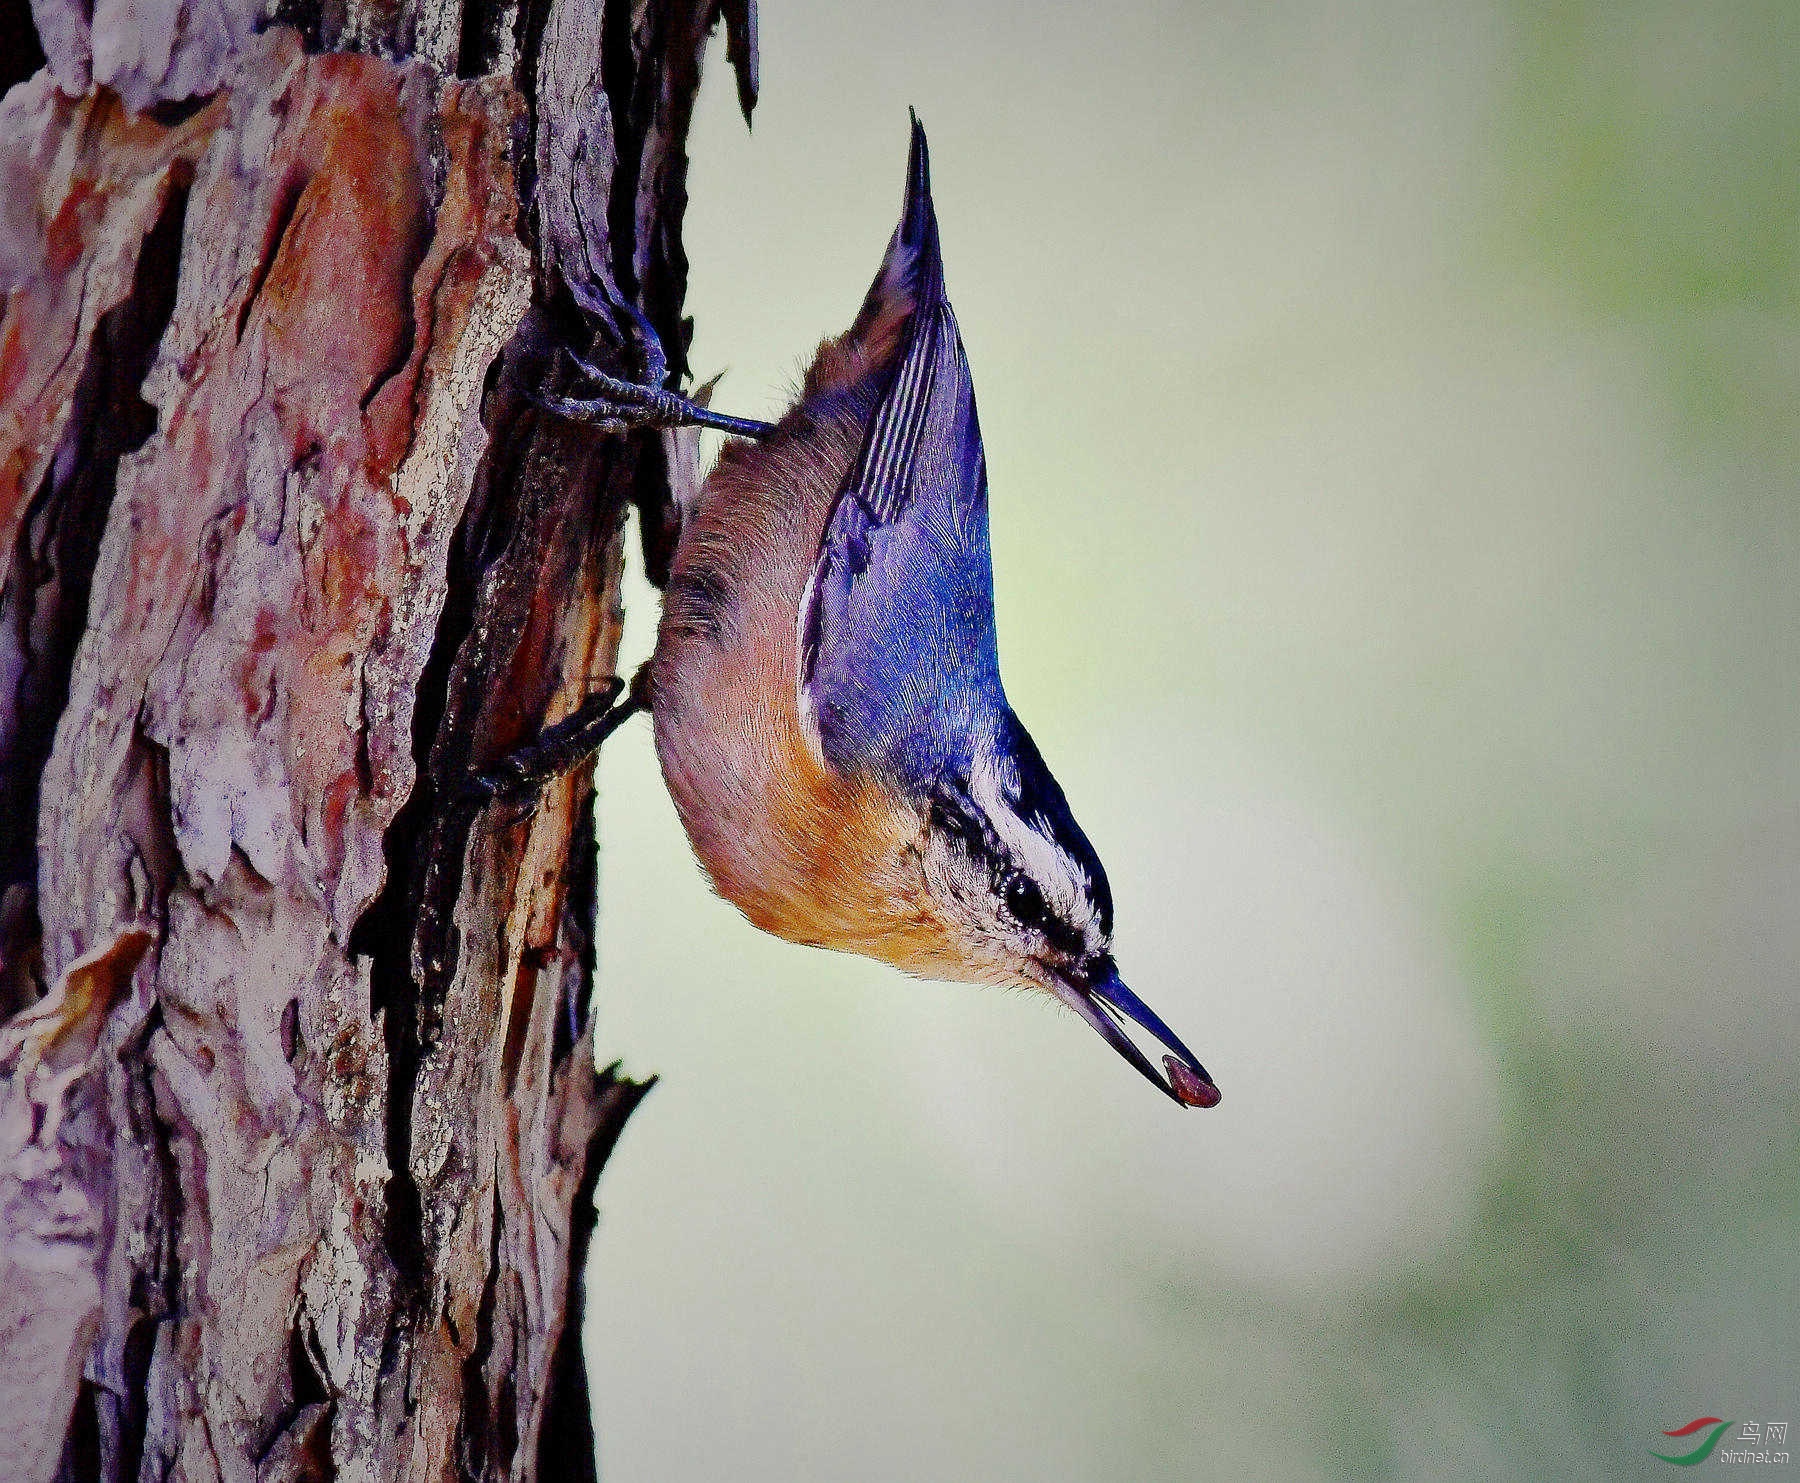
x,y
911,278
908,288
916,238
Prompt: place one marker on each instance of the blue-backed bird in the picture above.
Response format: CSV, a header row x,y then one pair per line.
x,y
825,689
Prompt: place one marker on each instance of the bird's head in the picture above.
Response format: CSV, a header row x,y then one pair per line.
x,y
1018,896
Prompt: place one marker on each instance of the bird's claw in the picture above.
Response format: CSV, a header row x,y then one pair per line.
x,y
520,775
621,405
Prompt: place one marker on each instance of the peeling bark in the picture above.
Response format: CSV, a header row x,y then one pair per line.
x,y
298,1112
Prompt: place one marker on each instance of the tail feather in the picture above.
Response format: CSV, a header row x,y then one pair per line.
x,y
911,278
914,249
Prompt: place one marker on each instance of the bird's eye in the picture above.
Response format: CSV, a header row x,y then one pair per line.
x,y
1024,902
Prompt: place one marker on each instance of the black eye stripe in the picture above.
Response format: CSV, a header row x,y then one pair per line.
x,y
952,813
1061,935
955,813
1034,795
1026,905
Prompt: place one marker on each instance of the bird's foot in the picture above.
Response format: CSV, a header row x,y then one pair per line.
x,y
521,774
620,405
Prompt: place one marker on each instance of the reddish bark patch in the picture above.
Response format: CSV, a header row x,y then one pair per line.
x,y
82,265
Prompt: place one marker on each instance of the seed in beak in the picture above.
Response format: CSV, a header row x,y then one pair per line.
x,y
1190,1089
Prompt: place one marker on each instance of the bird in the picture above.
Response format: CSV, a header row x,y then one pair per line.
x,y
825,689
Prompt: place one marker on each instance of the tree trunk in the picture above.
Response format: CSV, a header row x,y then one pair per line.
x,y
299,1122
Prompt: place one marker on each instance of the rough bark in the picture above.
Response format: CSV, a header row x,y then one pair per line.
x,y
299,1122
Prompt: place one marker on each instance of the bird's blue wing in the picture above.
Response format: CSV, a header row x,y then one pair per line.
x,y
898,664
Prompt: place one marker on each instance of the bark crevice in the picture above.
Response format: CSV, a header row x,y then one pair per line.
x,y
287,202
43,611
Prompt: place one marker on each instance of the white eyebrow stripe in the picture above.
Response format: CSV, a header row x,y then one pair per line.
x,y
1061,878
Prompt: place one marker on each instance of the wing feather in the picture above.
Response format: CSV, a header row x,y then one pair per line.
x,y
898,667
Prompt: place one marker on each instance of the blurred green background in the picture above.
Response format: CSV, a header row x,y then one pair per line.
x,y
1393,415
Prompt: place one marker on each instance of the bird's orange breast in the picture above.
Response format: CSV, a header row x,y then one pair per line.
x,y
806,854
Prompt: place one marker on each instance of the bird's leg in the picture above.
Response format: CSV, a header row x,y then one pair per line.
x,y
522,772
620,406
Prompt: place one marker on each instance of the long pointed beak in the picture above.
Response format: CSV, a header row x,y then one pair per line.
x,y
1102,999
